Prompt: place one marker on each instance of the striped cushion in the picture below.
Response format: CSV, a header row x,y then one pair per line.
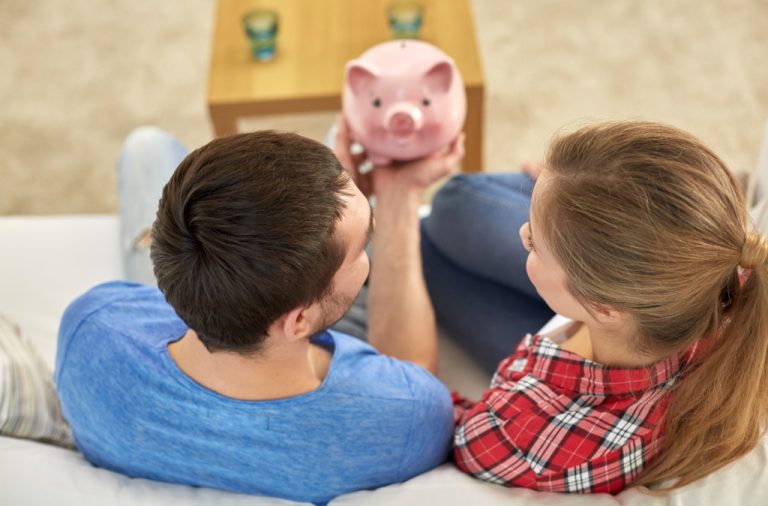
x,y
29,406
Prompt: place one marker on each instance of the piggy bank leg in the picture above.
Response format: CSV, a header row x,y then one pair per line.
x,y
148,159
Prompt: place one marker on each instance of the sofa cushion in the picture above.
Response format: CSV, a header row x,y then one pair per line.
x,y
29,406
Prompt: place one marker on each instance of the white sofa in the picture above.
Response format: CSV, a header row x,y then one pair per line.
x,y
46,261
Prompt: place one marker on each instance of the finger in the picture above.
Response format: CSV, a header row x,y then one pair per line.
x,y
366,184
449,161
354,155
455,153
458,148
339,133
359,159
345,160
533,169
341,145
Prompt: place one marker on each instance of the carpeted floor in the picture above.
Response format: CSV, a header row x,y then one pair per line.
x,y
77,76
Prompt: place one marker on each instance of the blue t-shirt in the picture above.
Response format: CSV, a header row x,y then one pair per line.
x,y
374,420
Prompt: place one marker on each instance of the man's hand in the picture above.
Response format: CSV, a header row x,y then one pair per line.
x,y
350,159
417,175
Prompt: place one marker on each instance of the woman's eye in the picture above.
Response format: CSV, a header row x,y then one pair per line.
x,y
529,242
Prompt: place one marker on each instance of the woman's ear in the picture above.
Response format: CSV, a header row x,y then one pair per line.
x,y
608,316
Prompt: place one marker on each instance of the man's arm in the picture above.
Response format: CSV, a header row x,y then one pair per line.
x,y
401,320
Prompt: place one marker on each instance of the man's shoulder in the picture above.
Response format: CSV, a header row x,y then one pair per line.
x,y
116,313
362,371
119,304
412,408
107,294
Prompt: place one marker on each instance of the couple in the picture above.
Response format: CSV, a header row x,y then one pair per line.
x,y
230,375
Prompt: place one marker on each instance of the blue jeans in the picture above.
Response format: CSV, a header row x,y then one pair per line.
x,y
474,264
147,161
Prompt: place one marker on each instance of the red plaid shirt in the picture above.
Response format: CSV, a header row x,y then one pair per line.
x,y
555,421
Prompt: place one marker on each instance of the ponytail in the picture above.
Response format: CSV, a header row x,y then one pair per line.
x,y
717,411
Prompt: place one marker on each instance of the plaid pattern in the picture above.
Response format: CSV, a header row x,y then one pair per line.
x,y
555,421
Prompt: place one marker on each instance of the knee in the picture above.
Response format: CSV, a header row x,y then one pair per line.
x,y
448,212
467,186
458,182
451,191
146,138
484,193
460,195
478,204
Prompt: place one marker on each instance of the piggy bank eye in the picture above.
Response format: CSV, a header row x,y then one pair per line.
x,y
426,102
377,102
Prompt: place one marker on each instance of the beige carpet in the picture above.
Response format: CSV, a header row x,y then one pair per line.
x,y
77,76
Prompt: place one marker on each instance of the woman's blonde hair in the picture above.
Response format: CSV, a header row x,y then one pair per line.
x,y
646,219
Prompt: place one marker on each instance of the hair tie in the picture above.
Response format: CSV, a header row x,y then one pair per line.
x,y
754,252
743,275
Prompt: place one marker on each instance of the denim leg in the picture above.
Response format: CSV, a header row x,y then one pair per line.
x,y
475,221
474,264
486,319
148,159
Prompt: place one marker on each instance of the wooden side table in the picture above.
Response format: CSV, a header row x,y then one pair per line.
x,y
315,40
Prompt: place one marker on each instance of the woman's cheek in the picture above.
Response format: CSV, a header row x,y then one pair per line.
x,y
530,268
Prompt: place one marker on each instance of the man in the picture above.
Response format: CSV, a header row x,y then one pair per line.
x,y
226,376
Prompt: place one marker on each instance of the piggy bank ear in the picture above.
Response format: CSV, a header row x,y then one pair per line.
x,y
439,78
360,76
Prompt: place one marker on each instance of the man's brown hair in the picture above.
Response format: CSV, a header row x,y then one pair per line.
x,y
244,233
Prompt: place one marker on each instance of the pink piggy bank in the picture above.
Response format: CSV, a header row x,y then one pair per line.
x,y
403,100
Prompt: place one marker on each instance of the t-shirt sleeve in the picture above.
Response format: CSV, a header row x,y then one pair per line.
x,y
429,440
78,311
73,317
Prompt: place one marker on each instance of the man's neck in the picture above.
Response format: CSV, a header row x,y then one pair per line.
x,y
276,372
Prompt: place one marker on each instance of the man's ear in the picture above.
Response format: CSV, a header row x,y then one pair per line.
x,y
293,325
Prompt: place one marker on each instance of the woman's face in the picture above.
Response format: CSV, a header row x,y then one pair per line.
x,y
543,269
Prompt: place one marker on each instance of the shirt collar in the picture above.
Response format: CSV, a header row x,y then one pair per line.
x,y
561,368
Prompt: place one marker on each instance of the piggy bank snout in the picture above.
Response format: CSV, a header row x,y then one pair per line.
x,y
403,122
